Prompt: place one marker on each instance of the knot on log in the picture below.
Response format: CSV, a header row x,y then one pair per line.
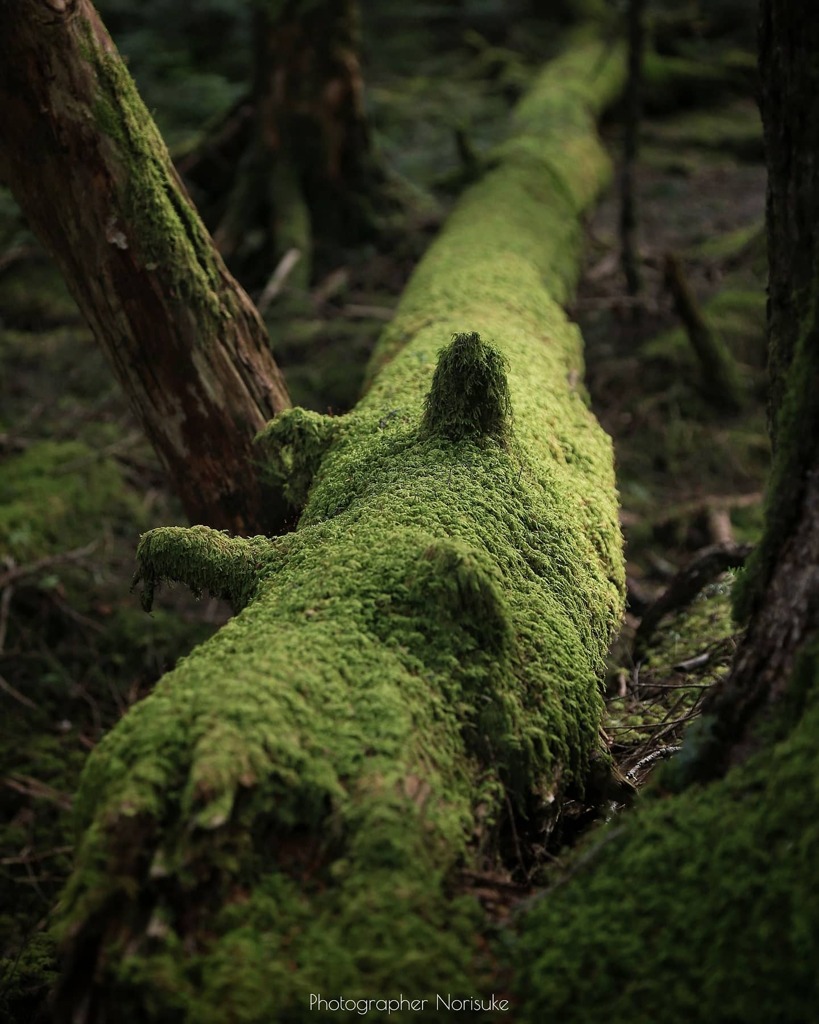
x,y
469,397
468,592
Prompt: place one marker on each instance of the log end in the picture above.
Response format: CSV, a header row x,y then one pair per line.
x,y
469,397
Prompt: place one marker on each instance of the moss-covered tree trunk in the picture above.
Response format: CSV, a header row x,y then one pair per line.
x,y
286,816
84,160
703,905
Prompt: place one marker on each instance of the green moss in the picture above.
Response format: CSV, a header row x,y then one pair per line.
x,y
698,907
469,396
52,496
294,444
734,246
287,812
202,559
704,626
25,978
735,129
672,83
161,225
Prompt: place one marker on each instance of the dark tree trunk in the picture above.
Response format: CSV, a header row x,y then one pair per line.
x,y
84,160
780,592
629,252
310,170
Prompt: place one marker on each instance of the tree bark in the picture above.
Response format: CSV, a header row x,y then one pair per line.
x,y
632,123
310,171
286,815
702,905
780,592
86,163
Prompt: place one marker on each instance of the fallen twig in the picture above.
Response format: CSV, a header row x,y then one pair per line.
x,y
687,583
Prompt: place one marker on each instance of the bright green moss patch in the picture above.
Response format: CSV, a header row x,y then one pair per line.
x,y
288,810
699,907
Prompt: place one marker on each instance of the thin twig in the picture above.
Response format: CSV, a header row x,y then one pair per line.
x,y
28,857
278,279
6,687
32,787
17,572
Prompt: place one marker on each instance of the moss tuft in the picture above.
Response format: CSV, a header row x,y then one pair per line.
x,y
469,396
293,445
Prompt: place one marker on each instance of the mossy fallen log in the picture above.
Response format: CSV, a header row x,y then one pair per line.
x,y
284,817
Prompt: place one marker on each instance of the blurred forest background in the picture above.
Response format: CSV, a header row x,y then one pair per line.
x,y
675,370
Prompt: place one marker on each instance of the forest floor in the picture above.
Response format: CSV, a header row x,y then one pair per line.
x,y
78,483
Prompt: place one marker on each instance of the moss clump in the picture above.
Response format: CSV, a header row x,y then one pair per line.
x,y
698,907
286,813
469,396
294,444
202,559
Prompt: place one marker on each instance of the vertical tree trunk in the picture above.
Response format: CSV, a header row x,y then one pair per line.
x,y
84,160
629,252
311,169
780,590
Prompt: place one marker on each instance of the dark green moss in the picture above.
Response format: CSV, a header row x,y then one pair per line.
x,y
294,444
469,396
202,559
51,494
698,907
